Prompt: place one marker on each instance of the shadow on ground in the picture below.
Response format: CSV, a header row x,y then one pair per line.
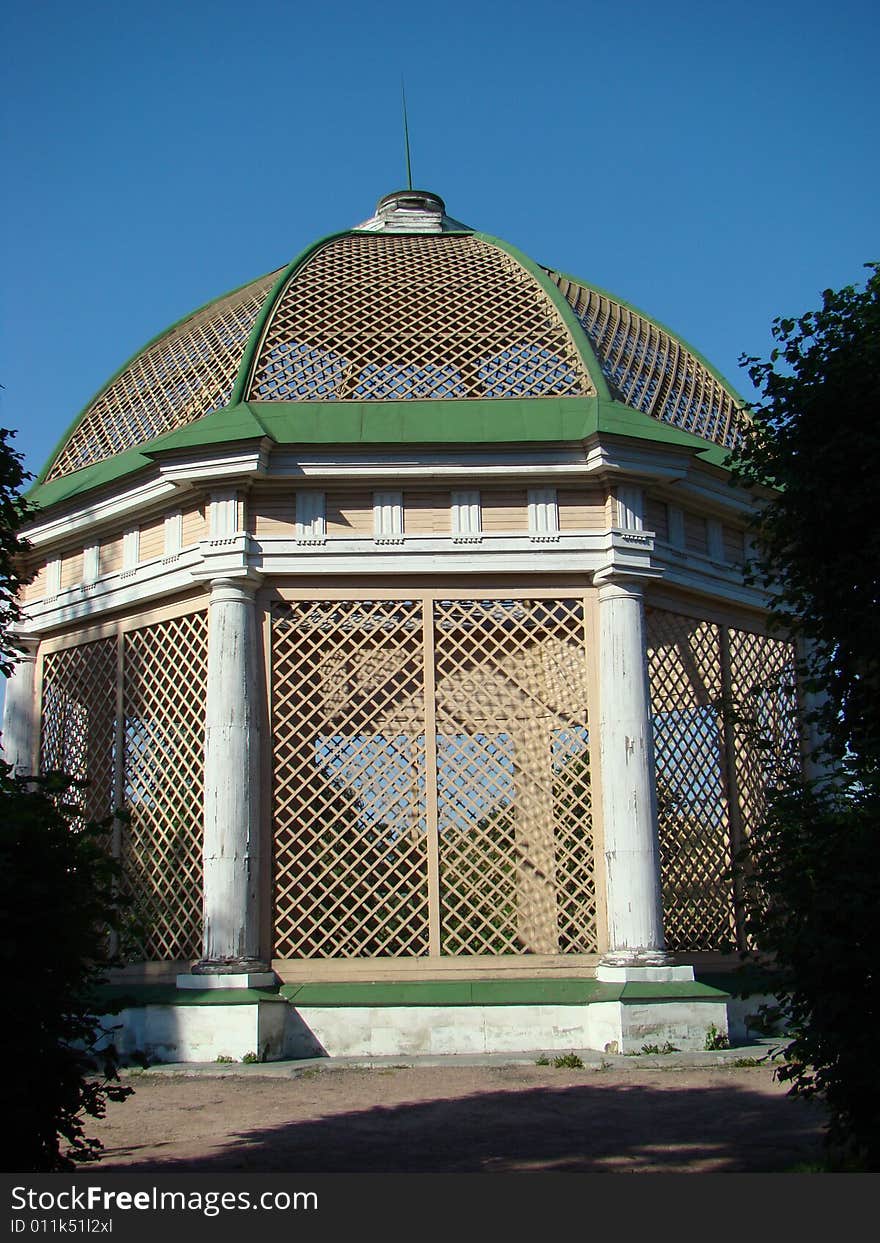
x,y
589,1128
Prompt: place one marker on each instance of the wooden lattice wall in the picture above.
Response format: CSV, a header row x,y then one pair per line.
x,y
724,707
126,712
431,778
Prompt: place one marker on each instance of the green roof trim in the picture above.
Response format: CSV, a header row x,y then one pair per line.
x,y
722,380
619,420
429,421
575,328
108,470
178,323
224,426
437,421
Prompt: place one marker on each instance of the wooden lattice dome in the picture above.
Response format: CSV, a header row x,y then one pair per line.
x,y
409,306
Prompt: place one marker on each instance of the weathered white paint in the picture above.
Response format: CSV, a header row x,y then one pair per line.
x,y
388,517
630,507
91,563
19,711
543,515
311,517
131,542
411,1031
275,1029
675,516
200,1033
223,515
223,979
173,533
630,973
632,862
232,776
53,577
715,539
410,211
466,520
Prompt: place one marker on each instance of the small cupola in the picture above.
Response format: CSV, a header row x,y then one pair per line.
x,y
411,211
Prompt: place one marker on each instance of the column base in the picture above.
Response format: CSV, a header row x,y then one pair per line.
x,y
228,973
240,979
651,966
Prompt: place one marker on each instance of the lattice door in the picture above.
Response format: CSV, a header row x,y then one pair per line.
x,y
432,788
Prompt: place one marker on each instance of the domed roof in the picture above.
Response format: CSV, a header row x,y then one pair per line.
x,y
411,305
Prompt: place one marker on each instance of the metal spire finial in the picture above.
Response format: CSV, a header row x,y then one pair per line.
x,y
409,184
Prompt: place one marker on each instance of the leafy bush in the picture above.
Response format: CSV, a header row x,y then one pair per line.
x,y
813,907
57,902
813,887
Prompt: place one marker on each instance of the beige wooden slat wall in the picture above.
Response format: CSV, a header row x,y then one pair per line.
x,y
581,509
151,543
426,512
110,555
272,511
504,510
349,512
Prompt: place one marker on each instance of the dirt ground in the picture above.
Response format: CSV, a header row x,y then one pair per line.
x,y
485,1119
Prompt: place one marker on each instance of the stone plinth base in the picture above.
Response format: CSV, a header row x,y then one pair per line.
x,y
609,1027
612,974
416,1019
238,979
200,1033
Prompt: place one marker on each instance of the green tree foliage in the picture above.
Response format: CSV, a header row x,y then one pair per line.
x,y
815,440
14,508
57,900
813,877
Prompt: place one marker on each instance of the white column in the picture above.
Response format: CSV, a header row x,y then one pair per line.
x,y
231,934
818,766
629,801
20,711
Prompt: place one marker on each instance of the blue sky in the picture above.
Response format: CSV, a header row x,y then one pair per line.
x,y
714,164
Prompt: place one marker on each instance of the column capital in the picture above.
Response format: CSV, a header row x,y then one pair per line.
x,y
614,584
231,587
25,646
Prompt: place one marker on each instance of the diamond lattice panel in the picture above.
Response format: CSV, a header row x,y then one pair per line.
x,y
79,719
185,374
349,769
651,371
515,835
684,662
390,318
766,731
164,684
